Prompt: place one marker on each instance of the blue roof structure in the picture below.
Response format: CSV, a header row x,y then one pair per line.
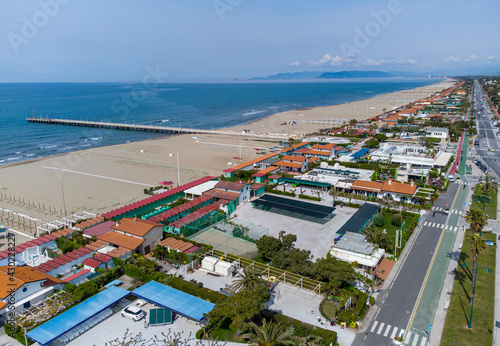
x,y
360,153
51,330
180,302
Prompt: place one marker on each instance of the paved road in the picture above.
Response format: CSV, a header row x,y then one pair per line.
x,y
398,301
490,140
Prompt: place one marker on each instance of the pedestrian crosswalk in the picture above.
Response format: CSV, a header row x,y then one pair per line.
x,y
440,226
484,156
386,330
414,339
452,211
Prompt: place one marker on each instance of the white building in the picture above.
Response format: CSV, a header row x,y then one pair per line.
x,y
27,286
437,132
353,247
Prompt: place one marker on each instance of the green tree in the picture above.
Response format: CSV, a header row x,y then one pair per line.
x,y
477,220
371,143
379,220
477,246
333,272
240,307
249,279
268,334
380,137
397,219
353,123
268,246
377,236
488,183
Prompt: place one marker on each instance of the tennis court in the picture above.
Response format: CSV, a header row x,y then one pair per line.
x,y
295,206
359,220
160,317
226,243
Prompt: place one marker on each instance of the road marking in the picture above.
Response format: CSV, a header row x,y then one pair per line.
x,y
446,227
423,341
425,224
382,324
374,326
433,224
394,331
429,269
456,228
401,333
97,176
387,330
408,337
415,340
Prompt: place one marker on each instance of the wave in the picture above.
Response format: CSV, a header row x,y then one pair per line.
x,y
14,158
95,138
49,146
29,155
253,112
166,120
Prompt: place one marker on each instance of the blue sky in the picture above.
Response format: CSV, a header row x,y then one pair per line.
x,y
222,40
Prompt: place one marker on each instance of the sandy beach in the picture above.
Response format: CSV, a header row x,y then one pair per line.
x,y
102,179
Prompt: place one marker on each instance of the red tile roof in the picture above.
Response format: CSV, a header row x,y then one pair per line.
x,y
77,275
90,262
102,257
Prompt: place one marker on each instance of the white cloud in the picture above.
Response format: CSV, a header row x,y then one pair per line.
x,y
328,60
295,63
473,57
453,59
372,62
492,57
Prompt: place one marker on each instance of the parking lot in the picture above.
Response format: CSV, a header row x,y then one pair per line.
x,y
116,326
312,234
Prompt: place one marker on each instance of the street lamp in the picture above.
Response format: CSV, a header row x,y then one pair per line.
x,y
474,291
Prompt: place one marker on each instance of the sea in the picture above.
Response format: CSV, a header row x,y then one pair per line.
x,y
188,105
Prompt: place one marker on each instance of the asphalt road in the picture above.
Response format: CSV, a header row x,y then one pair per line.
x,y
397,303
490,139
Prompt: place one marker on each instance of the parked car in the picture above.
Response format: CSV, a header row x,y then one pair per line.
x,y
133,312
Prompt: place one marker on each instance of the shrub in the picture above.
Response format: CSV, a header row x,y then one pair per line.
x,y
372,300
397,220
310,198
378,220
360,305
347,316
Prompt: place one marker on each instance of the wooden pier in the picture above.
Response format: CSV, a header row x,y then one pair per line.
x,y
147,128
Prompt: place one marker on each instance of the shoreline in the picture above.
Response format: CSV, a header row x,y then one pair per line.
x,y
103,178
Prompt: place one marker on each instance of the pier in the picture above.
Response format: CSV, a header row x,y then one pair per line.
x,y
147,128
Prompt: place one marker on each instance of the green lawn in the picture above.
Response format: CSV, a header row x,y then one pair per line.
x,y
391,229
329,308
489,208
456,329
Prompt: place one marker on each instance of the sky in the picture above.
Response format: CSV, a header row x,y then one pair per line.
x,y
225,40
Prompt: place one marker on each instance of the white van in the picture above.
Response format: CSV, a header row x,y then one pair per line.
x,y
451,178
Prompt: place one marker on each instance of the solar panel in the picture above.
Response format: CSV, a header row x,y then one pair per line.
x,y
160,316
180,302
300,207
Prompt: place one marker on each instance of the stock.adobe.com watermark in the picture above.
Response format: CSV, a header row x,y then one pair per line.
x,y
11,284
30,27
223,6
363,36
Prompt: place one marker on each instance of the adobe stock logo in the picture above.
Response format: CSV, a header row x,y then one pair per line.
x,y
223,6
30,27
363,36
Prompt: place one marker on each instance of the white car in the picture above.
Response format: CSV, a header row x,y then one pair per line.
x,y
133,312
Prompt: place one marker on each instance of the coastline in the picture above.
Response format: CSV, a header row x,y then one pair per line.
x,y
104,178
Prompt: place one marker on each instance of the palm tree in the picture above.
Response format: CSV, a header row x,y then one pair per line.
x,y
477,246
268,335
377,236
488,182
311,340
249,279
352,123
477,220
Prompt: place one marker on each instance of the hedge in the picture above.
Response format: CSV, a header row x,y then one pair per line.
x,y
278,192
317,199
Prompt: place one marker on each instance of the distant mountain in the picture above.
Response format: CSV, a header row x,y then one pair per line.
x,y
355,74
291,75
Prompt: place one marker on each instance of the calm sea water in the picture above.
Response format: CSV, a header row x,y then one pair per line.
x,y
184,105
